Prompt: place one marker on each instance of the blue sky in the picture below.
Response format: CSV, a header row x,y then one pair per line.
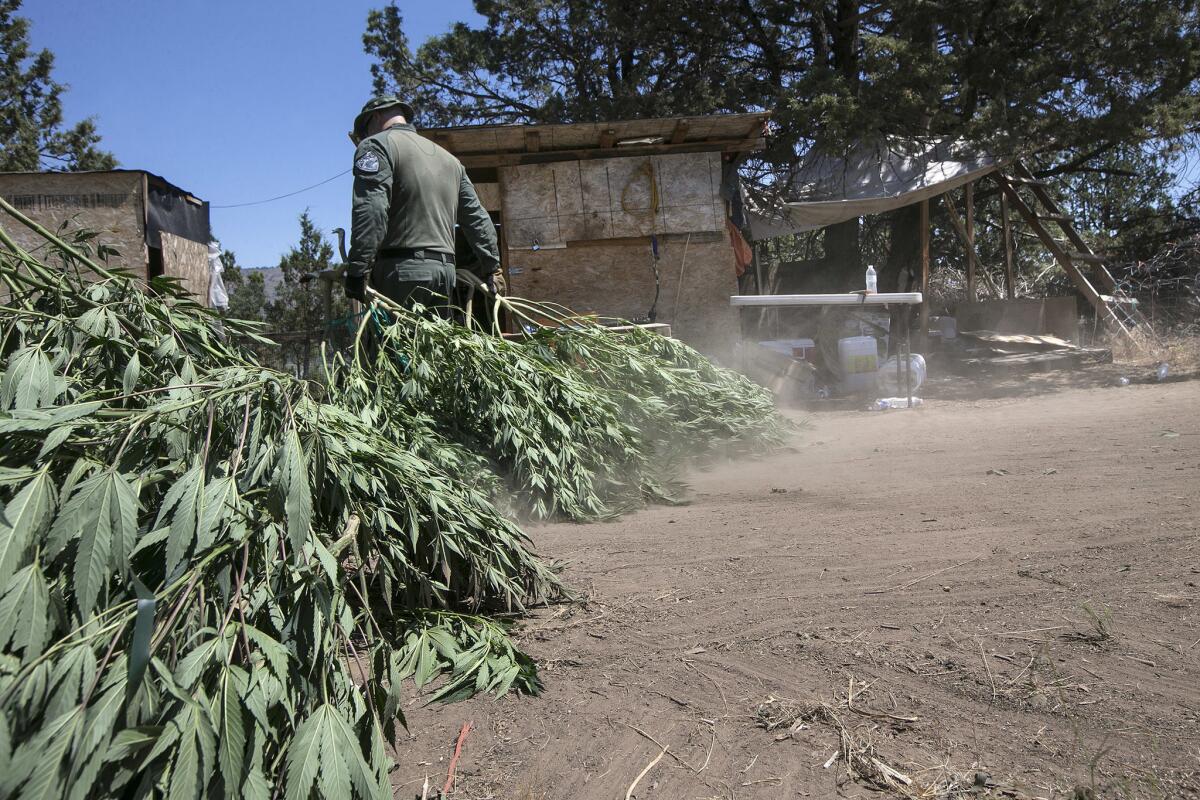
x,y
234,101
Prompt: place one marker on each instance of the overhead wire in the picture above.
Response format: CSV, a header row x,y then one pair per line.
x,y
282,196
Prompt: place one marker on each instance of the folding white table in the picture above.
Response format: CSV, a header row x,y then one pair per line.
x,y
742,301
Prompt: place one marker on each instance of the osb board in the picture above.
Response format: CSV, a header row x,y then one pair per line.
x,y
615,279
489,195
109,203
1057,316
183,258
567,201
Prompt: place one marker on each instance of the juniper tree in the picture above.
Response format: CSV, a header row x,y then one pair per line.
x,y
1067,83
33,134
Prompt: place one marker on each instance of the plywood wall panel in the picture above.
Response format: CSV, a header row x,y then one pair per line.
x,y
489,195
685,181
583,227
593,176
108,203
615,279
187,260
639,196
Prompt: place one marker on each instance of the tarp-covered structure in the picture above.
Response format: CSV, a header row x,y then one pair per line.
x,y
873,178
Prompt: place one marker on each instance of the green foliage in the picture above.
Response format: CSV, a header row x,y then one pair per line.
x,y
214,581
296,313
32,134
246,288
286,547
1066,84
575,420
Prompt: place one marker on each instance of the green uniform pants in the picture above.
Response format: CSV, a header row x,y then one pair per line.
x,y
416,282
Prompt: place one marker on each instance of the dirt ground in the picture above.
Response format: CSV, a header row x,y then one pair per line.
x,y
999,587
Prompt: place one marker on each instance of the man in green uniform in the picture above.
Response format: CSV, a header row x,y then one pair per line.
x,y
409,193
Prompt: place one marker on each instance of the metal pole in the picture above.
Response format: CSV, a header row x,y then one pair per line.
x,y
896,346
907,361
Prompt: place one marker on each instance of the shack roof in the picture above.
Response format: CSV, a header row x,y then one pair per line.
x,y
478,146
86,172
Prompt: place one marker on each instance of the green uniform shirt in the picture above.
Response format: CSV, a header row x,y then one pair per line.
x,y
408,194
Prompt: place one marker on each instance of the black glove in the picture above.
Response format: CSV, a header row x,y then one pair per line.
x,y
356,287
467,280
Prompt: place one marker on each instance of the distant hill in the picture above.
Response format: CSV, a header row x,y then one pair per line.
x,y
272,277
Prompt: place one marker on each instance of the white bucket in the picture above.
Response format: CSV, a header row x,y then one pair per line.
x,y
859,358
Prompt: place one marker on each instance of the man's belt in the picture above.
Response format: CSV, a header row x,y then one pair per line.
x,y
407,253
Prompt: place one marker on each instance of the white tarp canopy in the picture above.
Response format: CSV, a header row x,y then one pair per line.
x,y
875,177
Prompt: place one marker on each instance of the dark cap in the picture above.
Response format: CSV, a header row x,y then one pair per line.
x,y
378,104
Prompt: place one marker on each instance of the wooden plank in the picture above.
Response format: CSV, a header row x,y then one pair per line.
x,y
608,138
969,192
533,141
485,160
680,132
1033,362
923,330
1010,290
1039,342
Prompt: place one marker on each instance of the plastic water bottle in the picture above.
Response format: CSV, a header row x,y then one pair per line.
x,y
1163,371
872,284
1123,381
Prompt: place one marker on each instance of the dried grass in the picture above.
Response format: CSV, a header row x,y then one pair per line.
x,y
857,752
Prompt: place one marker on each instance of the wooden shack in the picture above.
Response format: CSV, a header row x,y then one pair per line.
x,y
155,227
606,217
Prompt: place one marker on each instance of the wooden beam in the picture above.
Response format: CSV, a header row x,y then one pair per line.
x,y
1050,243
681,131
969,191
972,257
1006,226
491,160
1042,192
608,138
533,141
924,324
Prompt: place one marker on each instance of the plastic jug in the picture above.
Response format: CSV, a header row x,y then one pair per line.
x,y
859,358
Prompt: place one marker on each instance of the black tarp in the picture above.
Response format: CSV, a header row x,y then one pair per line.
x,y
170,209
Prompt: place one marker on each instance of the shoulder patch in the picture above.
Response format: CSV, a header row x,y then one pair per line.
x,y
367,163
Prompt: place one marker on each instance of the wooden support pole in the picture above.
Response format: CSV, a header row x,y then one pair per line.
x,y
1009,274
974,266
970,199
922,331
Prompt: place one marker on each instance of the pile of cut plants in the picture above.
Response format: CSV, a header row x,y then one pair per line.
x,y
219,580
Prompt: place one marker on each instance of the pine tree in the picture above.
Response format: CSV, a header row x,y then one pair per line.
x,y
297,314
33,135
1068,84
246,288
